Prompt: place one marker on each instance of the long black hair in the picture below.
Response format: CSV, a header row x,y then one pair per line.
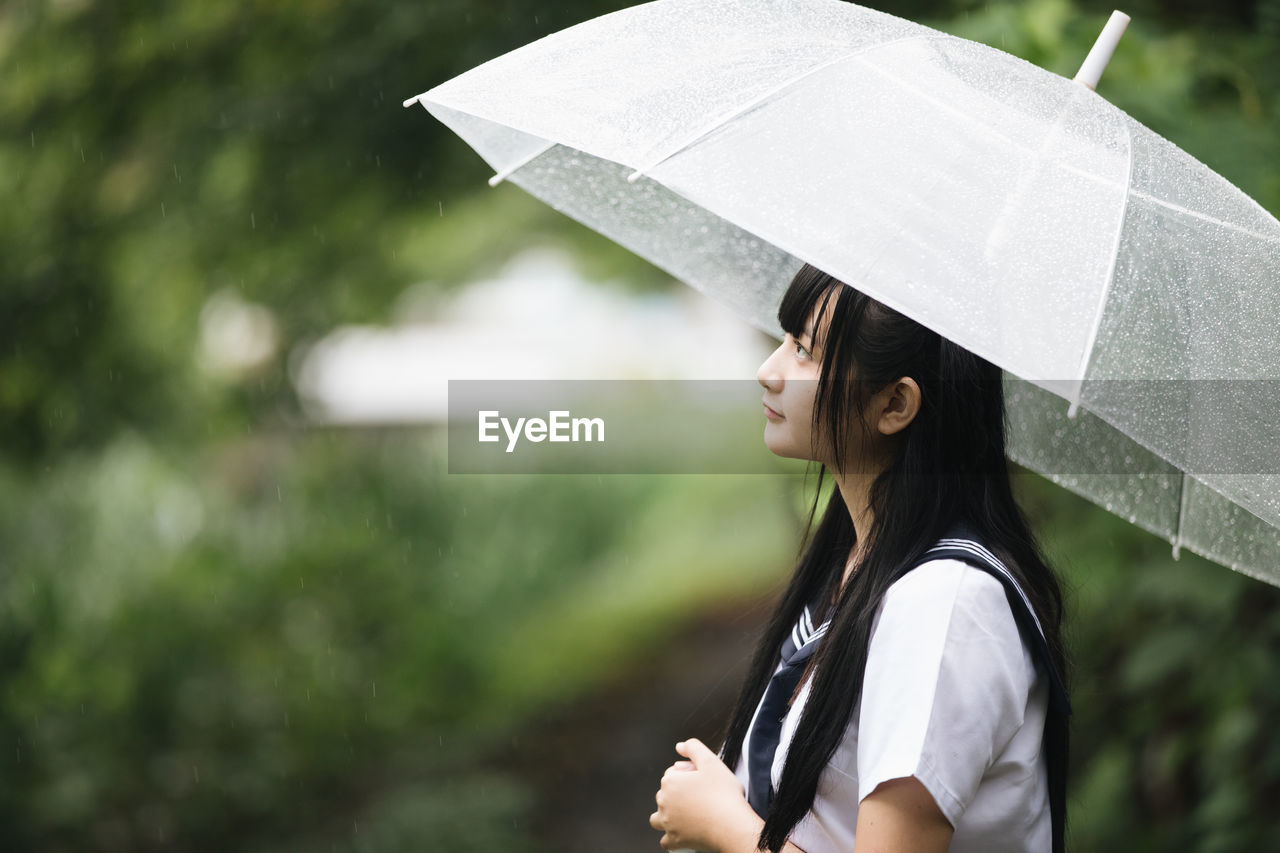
x,y
947,465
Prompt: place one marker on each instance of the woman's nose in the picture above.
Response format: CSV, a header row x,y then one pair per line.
x,y
768,375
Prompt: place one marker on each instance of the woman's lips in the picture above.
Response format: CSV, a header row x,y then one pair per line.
x,y
770,413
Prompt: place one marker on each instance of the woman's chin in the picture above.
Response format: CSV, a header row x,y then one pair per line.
x,y
780,448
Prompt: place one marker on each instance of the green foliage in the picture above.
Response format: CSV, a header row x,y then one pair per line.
x,y
160,154
316,630
1174,685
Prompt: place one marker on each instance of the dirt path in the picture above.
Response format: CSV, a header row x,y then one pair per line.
x,y
595,765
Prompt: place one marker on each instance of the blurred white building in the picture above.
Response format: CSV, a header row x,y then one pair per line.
x,y
538,319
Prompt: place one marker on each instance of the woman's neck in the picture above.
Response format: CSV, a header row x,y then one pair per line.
x,y
855,490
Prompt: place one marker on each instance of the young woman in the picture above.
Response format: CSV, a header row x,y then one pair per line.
x,y
908,693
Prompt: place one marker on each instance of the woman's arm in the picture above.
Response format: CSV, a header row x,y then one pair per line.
x,y
741,837
901,815
701,806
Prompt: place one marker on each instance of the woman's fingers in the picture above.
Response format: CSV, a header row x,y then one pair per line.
x,y
668,840
678,767
672,842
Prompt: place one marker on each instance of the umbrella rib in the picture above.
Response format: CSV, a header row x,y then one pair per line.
x,y
1106,288
1203,217
1182,507
520,164
759,99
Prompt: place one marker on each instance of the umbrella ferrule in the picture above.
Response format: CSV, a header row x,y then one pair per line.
x,y
1093,65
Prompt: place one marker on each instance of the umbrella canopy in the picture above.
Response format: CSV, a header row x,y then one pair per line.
x,y
1129,292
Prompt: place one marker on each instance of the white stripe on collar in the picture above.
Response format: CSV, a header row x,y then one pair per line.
x,y
979,550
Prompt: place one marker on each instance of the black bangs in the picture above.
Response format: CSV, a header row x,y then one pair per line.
x,y
809,286
838,402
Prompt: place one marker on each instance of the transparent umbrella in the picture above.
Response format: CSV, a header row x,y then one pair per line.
x,y
1130,293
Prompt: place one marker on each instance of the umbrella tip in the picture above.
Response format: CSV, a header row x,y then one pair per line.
x,y
1073,409
411,101
1091,70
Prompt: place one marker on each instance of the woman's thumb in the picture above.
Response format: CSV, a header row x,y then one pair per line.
x,y
696,751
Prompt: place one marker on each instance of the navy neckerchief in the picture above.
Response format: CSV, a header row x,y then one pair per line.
x,y
766,726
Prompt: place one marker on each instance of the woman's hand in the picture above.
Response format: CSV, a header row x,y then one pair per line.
x,y
701,804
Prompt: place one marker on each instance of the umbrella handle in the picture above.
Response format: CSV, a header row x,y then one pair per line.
x,y
1102,49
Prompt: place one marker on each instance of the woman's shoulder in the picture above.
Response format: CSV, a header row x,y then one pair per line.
x,y
948,582
948,603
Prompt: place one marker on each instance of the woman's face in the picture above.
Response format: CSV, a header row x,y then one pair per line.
x,y
790,379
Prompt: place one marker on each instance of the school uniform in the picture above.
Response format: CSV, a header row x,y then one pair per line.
x,y
954,695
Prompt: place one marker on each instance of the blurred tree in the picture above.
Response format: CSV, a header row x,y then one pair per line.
x,y
158,154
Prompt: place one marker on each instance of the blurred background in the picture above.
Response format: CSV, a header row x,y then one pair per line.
x,y
243,606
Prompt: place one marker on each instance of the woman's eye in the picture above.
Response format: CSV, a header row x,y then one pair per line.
x,y
801,351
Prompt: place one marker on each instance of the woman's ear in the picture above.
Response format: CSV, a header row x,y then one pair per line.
x,y
897,405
